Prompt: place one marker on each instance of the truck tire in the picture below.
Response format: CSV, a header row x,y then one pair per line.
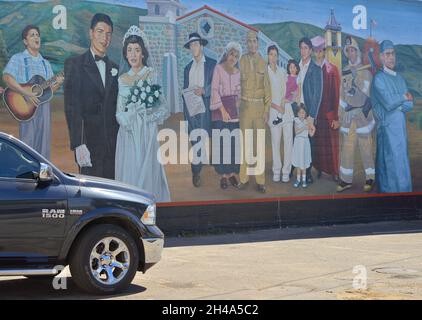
x,y
104,260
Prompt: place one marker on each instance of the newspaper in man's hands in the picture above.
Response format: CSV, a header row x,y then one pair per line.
x,y
194,104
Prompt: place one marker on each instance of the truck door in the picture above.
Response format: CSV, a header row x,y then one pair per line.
x,y
32,215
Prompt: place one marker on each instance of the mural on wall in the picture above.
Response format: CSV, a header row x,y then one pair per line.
x,y
221,101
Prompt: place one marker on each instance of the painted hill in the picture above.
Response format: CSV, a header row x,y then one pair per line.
x,y
60,44
3,50
288,34
3,55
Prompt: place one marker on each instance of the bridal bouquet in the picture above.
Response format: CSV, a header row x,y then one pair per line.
x,y
145,96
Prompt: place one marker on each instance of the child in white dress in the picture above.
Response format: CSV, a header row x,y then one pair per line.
x,y
302,158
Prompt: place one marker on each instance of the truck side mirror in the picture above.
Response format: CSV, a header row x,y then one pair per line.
x,y
46,173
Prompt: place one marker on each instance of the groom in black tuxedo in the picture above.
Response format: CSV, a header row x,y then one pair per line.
x,y
90,96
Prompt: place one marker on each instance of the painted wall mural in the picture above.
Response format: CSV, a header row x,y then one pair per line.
x,y
223,101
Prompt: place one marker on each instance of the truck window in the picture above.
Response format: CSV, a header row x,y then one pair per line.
x,y
15,163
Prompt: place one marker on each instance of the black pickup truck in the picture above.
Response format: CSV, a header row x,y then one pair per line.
x,y
104,230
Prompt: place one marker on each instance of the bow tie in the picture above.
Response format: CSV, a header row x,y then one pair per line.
x,y
98,58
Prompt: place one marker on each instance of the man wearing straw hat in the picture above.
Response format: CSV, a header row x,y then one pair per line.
x,y
198,76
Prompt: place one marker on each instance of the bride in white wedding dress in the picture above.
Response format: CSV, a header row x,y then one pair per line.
x,y
137,158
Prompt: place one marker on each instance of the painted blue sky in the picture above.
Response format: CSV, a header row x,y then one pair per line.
x,y
398,20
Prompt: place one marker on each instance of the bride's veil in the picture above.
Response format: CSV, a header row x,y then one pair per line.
x,y
162,112
124,67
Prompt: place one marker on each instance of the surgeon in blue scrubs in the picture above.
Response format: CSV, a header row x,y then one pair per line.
x,y
391,100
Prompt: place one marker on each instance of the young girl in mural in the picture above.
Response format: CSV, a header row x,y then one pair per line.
x,y
293,85
137,160
301,147
281,117
225,101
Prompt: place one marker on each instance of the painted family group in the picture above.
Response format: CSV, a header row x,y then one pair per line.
x,y
324,118
309,104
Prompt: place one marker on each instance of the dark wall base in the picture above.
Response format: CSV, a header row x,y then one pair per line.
x,y
275,213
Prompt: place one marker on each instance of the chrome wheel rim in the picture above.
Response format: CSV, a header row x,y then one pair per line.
x,y
109,261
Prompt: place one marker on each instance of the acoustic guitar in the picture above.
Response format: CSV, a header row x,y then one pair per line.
x,y
19,106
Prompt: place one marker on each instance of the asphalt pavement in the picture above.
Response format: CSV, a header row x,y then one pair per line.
x,y
361,261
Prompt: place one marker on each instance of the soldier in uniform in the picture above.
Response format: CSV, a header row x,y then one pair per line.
x,y
356,119
254,108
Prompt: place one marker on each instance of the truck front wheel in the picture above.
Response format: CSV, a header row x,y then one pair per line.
x,y
104,260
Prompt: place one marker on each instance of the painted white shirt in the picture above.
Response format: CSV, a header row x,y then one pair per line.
x,y
101,68
301,77
389,71
278,84
197,73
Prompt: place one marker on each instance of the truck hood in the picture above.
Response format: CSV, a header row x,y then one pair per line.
x,y
109,185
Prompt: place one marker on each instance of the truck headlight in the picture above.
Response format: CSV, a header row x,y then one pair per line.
x,y
149,216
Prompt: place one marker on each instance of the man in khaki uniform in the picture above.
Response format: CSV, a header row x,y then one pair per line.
x,y
356,119
254,110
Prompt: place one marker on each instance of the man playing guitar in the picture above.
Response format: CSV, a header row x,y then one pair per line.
x,y
35,132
